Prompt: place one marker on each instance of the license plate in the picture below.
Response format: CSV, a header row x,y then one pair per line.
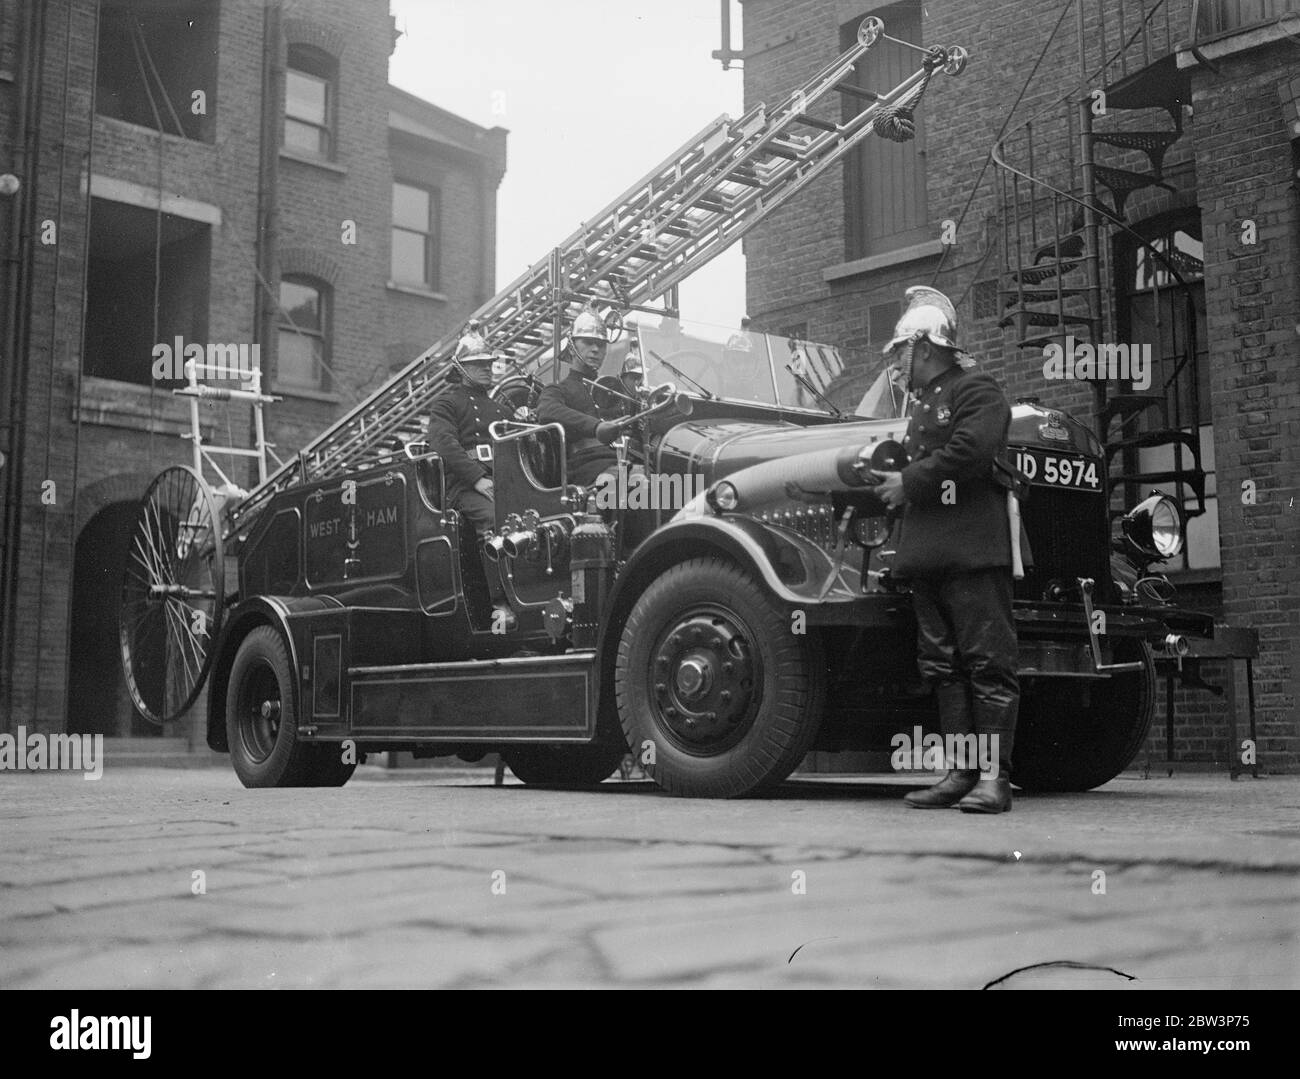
x,y
1058,470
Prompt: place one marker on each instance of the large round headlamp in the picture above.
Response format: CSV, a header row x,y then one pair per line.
x,y
1154,528
723,497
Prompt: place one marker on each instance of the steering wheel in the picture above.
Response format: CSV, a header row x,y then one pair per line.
x,y
517,394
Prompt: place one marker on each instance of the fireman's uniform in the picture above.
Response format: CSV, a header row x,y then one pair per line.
x,y
458,432
954,549
954,542
569,403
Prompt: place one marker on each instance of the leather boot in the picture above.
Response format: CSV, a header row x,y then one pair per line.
x,y
992,793
954,718
945,794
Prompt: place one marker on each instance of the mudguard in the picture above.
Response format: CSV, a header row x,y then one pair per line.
x,y
242,617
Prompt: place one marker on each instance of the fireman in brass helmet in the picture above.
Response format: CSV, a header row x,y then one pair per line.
x,y
570,404
954,550
458,429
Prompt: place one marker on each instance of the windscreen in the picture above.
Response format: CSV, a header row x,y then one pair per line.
x,y
738,365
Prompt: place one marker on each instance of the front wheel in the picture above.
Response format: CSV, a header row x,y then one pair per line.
x,y
716,695
1073,735
260,726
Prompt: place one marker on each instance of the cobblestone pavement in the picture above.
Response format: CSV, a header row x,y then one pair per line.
x,y
437,878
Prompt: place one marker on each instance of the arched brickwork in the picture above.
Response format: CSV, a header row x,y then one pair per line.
x,y
122,487
318,35
309,261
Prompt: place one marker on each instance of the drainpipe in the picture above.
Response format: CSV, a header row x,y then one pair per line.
x,y
17,327
267,239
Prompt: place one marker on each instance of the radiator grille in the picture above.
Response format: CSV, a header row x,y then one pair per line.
x,y
1069,537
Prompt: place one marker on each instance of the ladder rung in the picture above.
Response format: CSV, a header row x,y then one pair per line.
x,y
856,91
781,150
229,451
746,178
813,121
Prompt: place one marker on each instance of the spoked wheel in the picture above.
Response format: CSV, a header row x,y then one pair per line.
x,y
172,595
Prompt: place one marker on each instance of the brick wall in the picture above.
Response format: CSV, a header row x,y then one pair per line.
x,y
1244,162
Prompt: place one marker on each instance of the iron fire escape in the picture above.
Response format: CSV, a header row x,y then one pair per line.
x,y
1066,176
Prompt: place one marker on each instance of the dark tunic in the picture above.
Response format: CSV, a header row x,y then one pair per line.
x,y
569,404
458,422
956,431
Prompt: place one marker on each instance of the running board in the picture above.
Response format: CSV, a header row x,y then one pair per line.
x,y
519,699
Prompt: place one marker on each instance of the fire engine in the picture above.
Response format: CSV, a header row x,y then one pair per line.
x,y
739,615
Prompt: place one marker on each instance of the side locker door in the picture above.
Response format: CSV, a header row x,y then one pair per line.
x,y
323,646
434,539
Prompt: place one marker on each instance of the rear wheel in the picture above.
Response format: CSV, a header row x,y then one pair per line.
x,y
710,675
260,726
1073,735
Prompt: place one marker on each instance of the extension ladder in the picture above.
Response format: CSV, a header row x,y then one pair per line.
x,y
683,213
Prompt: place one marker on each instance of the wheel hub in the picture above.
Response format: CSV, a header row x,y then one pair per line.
x,y
703,678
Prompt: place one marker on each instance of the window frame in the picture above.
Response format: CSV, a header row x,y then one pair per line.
x,y
432,239
283,324
320,66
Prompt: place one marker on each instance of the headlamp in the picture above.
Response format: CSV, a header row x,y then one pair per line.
x,y
723,497
1153,529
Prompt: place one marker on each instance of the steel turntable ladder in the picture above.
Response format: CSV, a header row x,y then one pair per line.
x,y
706,195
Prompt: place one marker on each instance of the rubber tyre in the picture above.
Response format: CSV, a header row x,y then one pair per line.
x,y
788,678
1075,735
267,753
325,766
565,767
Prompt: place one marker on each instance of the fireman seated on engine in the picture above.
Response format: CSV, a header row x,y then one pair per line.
x,y
458,430
591,461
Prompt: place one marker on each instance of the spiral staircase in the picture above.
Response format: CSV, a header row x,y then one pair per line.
x,y
1066,176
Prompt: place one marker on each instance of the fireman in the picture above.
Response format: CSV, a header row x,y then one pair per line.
x,y
954,549
569,403
458,430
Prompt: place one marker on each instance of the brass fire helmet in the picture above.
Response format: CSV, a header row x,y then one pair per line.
x,y
928,316
473,351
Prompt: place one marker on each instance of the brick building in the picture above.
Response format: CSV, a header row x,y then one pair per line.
x,y
1123,132
237,172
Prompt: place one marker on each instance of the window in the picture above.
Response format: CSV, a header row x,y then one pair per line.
x,y
1222,16
152,61
135,259
1155,311
309,105
415,236
303,343
884,182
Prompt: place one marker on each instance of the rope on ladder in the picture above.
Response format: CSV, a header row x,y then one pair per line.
x,y
898,122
